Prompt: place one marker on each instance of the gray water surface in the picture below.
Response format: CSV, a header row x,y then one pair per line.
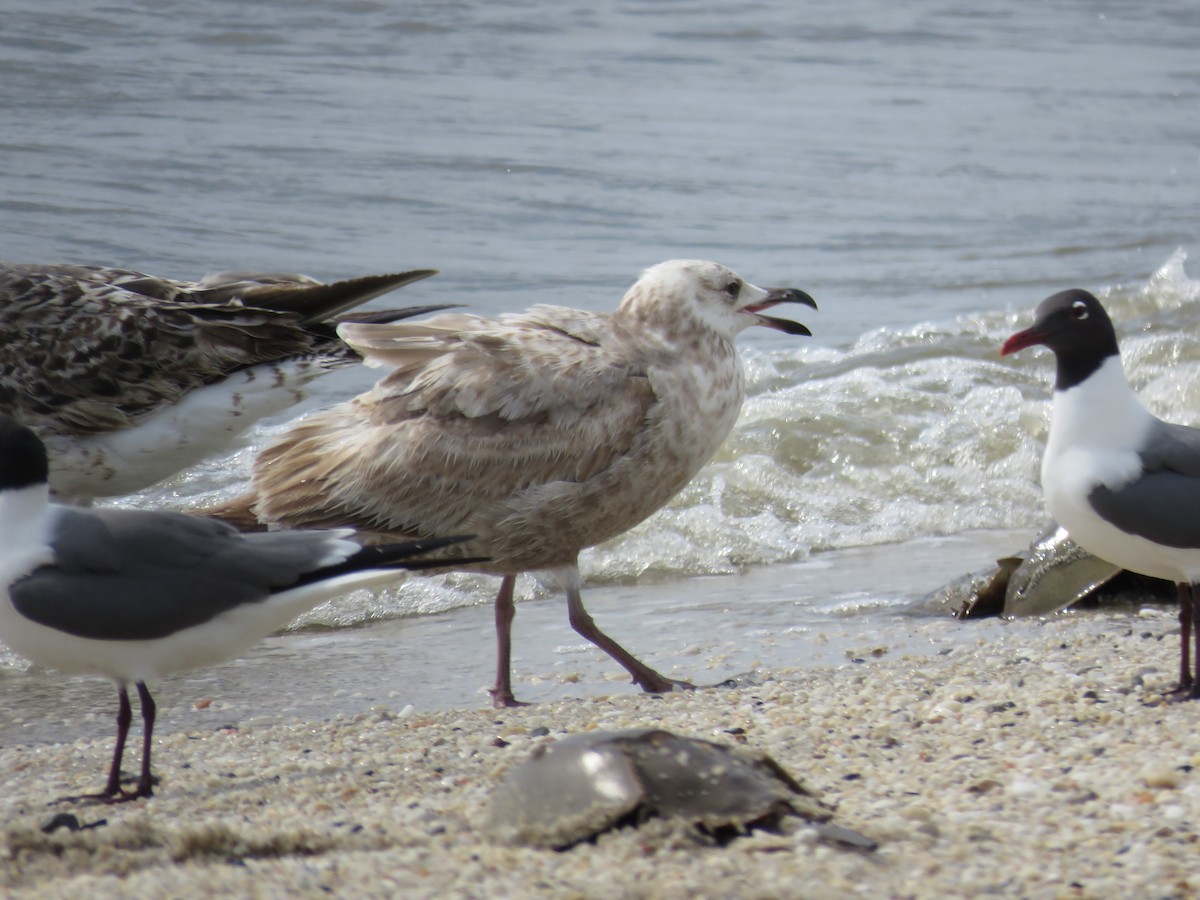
x,y
902,162
928,171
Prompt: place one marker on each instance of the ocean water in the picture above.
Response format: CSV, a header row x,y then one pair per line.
x,y
928,171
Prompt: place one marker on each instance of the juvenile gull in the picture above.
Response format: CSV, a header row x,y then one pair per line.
x,y
542,433
134,595
131,378
1124,483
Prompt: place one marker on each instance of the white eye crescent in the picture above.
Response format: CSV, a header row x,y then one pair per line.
x,y
1079,309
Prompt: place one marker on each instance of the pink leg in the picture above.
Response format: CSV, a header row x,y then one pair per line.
x,y
648,679
506,611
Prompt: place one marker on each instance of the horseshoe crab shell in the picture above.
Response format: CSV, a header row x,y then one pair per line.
x,y
581,785
1051,575
1055,574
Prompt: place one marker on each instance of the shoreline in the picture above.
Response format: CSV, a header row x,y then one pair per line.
x,y
1041,760
704,629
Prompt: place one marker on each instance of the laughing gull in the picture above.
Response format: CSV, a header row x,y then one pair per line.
x,y
131,378
1124,483
134,595
542,433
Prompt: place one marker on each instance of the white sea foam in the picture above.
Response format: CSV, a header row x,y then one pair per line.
x,y
903,435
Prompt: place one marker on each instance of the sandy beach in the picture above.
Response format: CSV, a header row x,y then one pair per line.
x,y
1040,760
929,171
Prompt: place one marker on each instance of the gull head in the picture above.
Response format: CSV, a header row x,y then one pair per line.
x,y
1071,323
1075,326
685,293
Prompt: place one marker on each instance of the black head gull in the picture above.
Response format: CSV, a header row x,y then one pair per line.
x,y
542,432
1124,483
134,595
130,378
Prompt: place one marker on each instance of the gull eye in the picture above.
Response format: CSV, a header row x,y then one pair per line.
x,y
1079,310
733,289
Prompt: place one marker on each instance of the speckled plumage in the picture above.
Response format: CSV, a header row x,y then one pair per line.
x,y
98,361
541,433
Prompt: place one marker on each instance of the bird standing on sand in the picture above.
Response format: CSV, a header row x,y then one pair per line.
x,y
131,378
134,595
541,433
1124,483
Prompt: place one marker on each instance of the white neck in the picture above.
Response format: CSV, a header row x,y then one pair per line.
x,y
1102,412
24,516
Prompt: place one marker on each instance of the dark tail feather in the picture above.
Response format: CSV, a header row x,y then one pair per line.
x,y
457,562
376,556
394,556
315,302
385,316
239,512
328,300
336,351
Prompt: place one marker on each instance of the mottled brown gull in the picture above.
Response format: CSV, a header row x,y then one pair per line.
x,y
130,378
542,433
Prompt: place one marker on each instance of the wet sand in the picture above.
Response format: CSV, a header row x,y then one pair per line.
x,y
1036,759
703,629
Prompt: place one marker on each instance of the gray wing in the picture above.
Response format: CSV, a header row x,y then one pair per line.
x,y
1161,506
139,575
1174,448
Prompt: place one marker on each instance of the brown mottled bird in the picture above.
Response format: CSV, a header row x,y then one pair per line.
x,y
130,378
541,433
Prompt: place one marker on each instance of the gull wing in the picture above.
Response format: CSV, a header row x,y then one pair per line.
x,y
86,350
475,412
1159,506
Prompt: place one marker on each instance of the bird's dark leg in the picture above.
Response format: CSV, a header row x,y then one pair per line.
x,y
1195,677
145,784
648,679
1186,615
112,787
124,718
506,611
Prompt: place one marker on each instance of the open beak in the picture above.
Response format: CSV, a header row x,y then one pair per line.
x,y
774,297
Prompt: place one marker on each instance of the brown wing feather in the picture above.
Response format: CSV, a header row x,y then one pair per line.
x,y
106,346
448,434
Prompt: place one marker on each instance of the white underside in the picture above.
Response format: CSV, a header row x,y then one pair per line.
x,y
26,523
1120,548
227,636
206,422
1096,430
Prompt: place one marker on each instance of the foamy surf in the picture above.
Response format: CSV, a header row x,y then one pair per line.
x,y
903,435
